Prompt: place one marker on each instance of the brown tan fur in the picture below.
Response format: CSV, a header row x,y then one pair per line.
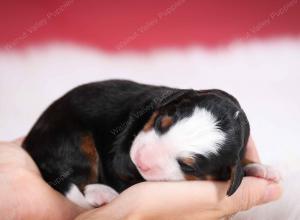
x,y
89,150
189,161
151,121
166,121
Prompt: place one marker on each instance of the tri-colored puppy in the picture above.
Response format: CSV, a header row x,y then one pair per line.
x,y
101,138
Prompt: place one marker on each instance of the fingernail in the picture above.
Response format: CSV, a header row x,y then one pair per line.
x,y
273,174
272,193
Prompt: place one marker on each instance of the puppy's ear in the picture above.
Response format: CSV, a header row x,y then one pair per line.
x,y
237,174
221,93
170,97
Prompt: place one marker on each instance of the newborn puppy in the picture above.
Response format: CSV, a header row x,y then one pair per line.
x,y
101,138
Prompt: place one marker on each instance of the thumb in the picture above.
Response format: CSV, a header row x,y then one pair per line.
x,y
252,192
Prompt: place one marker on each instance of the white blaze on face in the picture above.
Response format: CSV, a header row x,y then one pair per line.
x,y
156,155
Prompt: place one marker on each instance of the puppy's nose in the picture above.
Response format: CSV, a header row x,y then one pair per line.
x,y
141,162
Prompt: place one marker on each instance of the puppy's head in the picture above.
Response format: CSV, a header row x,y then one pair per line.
x,y
199,135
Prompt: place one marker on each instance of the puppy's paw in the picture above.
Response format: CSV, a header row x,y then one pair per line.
x,y
262,171
75,195
99,194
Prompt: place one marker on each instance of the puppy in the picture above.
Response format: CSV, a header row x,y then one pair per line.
x,y
101,138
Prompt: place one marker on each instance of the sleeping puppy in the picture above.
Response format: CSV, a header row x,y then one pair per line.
x,y
103,137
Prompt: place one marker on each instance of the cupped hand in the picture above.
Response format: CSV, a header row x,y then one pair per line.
x,y
199,200
23,192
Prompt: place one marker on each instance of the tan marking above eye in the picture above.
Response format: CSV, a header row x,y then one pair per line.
x,y
151,121
166,122
188,161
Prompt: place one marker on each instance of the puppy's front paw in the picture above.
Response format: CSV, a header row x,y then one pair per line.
x,y
99,194
262,171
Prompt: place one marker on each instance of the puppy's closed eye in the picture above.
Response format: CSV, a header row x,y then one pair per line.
x,y
187,166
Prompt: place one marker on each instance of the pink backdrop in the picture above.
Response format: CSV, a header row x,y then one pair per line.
x,y
136,24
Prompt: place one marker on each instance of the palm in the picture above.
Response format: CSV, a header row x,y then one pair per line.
x,y
25,191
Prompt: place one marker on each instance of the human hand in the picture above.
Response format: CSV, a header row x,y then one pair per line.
x,y
192,199
24,194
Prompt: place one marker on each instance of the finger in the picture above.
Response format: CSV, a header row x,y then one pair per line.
x,y
18,141
252,192
53,201
98,213
164,200
262,171
251,151
160,199
193,192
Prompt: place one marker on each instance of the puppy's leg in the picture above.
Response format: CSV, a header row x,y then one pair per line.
x,y
99,194
77,197
262,171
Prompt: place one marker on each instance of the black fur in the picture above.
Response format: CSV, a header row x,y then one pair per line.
x,y
114,112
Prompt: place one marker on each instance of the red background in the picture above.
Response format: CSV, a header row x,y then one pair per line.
x,y
105,24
